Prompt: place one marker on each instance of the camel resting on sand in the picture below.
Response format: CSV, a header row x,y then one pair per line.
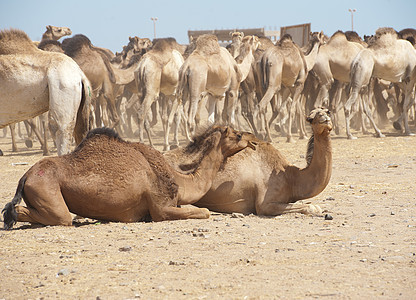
x,y
264,183
107,178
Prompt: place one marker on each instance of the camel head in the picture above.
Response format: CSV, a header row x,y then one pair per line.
x,y
320,120
55,33
233,141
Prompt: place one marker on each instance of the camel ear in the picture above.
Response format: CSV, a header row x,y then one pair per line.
x,y
49,27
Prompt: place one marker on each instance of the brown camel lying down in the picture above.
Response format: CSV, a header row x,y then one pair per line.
x,y
263,182
107,178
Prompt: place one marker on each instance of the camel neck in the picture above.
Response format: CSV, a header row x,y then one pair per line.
x,y
313,179
195,185
311,57
245,65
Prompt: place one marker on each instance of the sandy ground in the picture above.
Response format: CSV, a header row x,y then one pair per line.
x,y
368,249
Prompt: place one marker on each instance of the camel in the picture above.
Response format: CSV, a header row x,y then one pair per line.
x,y
210,70
55,33
388,58
96,66
33,81
156,74
285,64
107,178
236,39
49,42
332,64
266,183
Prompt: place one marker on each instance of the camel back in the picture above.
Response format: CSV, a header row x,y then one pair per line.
x,y
15,41
73,45
207,44
100,138
385,36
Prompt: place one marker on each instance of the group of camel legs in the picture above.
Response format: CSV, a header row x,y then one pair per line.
x,y
253,85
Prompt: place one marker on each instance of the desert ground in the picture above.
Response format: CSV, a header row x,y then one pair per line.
x,y
367,250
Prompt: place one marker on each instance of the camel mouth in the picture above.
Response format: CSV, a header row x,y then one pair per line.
x,y
252,145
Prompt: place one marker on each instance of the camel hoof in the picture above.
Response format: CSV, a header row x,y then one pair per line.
x,y
314,210
290,140
409,134
172,147
397,125
1,153
351,137
166,148
380,135
28,143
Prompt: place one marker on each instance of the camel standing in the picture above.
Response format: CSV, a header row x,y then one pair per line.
x,y
107,178
98,70
333,63
285,64
388,58
33,81
236,39
209,70
156,74
266,183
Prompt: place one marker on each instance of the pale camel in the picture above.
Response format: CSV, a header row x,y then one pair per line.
x,y
296,107
107,178
263,182
33,81
388,58
158,73
250,87
236,39
209,70
334,63
285,64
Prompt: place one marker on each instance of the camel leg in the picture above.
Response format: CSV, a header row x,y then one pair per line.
x,y
292,110
347,111
274,209
370,117
13,134
178,213
45,205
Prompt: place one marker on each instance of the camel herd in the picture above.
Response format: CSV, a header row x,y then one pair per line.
x,y
74,86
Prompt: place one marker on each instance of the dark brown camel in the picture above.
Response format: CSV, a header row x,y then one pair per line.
x,y
107,178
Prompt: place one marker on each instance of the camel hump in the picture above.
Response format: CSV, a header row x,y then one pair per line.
x,y
15,41
103,131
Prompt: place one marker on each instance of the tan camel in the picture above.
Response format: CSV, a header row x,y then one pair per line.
x,y
33,81
99,71
107,178
156,74
285,64
55,33
209,70
236,39
264,183
388,58
334,63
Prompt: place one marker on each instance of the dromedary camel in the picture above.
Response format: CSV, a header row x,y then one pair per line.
x,y
107,178
388,58
55,33
33,81
334,63
236,39
95,63
209,70
285,64
156,74
264,183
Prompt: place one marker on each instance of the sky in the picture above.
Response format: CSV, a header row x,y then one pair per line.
x,y
109,24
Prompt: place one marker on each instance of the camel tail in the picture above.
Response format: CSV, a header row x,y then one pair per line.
x,y
9,211
82,124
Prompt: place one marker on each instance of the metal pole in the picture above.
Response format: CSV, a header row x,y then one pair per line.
x,y
352,11
154,26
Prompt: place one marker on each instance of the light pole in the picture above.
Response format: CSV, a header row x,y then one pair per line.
x,y
154,26
352,11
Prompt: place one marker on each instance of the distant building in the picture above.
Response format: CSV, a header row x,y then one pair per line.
x,y
300,33
224,35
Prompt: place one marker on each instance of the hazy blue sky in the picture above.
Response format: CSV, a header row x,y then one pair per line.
x,y
110,23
